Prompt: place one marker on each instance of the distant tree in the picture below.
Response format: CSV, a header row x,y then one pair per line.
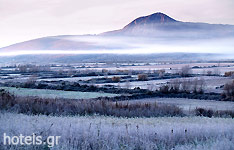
x,y
22,68
161,73
185,71
201,85
175,85
186,85
216,71
198,85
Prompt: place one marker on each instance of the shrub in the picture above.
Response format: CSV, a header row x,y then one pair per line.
x,y
229,91
185,71
209,72
116,79
6,99
164,89
212,113
161,73
204,112
35,105
229,74
142,77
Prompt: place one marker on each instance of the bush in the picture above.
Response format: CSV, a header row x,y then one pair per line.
x,y
116,79
211,113
142,77
7,100
229,74
185,71
229,91
35,105
161,73
209,72
164,89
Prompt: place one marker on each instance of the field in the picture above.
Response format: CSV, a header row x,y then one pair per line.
x,y
120,106
188,104
56,93
211,86
100,132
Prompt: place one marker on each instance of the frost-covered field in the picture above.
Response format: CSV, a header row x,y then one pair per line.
x,y
189,104
152,66
75,79
211,82
44,93
106,133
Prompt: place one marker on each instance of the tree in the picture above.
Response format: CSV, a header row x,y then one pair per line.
x,y
185,71
161,73
186,85
198,85
175,85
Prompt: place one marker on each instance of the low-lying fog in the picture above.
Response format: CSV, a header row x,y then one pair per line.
x,y
136,45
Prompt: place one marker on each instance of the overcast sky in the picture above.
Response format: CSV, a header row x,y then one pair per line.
x,y
23,20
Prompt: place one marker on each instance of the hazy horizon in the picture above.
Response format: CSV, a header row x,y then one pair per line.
x,y
30,19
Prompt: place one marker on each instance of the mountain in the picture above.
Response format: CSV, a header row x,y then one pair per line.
x,y
161,25
156,32
64,42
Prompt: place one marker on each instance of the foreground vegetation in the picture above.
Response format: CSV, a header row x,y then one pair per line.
x,y
45,106
35,105
111,133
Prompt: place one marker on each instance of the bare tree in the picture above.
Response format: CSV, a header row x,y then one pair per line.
x,y
195,85
185,71
216,71
198,85
201,85
127,85
151,87
31,80
186,85
175,85
22,68
161,73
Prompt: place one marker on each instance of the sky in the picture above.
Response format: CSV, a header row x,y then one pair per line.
x,y
23,20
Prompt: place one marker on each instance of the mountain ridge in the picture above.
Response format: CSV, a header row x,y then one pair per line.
x,y
157,25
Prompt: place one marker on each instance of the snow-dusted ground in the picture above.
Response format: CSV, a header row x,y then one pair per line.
x,y
189,104
75,79
45,93
106,133
211,82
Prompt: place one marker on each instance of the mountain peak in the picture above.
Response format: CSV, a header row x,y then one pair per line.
x,y
156,18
